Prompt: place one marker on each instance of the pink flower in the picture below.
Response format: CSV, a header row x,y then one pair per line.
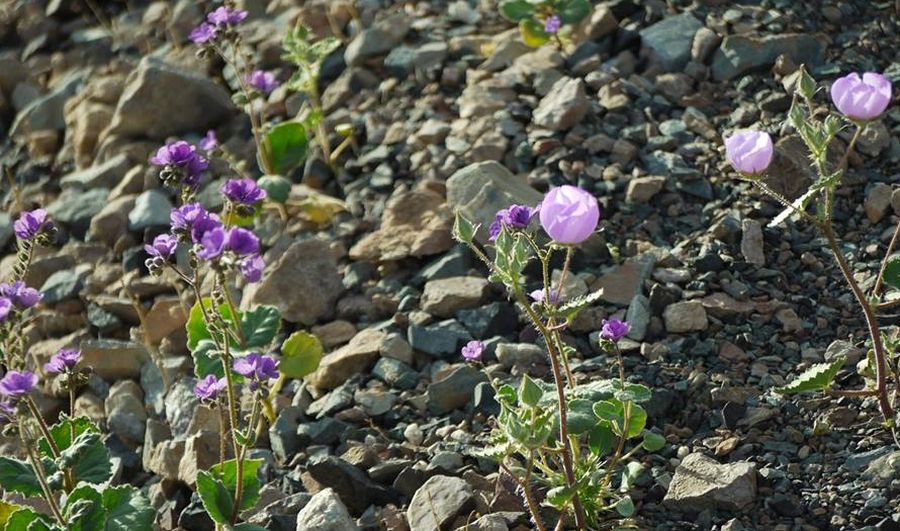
x,y
861,99
569,214
750,152
473,350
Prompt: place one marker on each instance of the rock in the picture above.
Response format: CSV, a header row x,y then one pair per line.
x,y
161,454
701,483
563,107
523,355
601,23
638,317
107,225
723,306
494,319
112,359
790,174
357,356
46,112
404,60
351,484
752,242
395,373
350,83
625,281
878,201
125,413
479,190
283,433
167,315
325,512
151,209
378,39
75,209
415,223
883,470
486,97
643,189
438,502
454,391
444,297
306,267
162,100
874,138
440,339
671,39
105,175
705,41
682,317
64,284
741,53
201,452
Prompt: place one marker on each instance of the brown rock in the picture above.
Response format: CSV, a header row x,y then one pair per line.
x,y
357,356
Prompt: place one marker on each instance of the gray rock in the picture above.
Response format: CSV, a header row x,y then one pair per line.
x,y
64,284
688,316
151,209
701,483
671,40
353,358
443,298
326,431
377,40
181,405
523,355
112,359
283,434
563,107
104,175
878,201
125,413
454,391
162,100
752,242
494,319
404,60
883,470
351,484
395,373
440,339
46,112
643,189
76,208
638,317
306,267
108,225
625,281
325,512
6,229
741,53
438,502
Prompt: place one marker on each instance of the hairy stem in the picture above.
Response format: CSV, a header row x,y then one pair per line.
x,y
42,476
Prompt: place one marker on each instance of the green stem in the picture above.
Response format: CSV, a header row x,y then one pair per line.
x,y
51,442
42,477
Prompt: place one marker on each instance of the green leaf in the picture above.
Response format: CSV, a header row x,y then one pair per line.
x,y
613,412
560,496
572,308
506,394
463,229
127,509
301,353
601,439
653,441
218,502
816,378
632,472
573,11
891,275
806,85
27,519
207,360
283,148
260,325
277,188
625,507
529,392
88,457
580,417
516,10
533,33
84,510
196,325
18,476
250,480
6,511
634,393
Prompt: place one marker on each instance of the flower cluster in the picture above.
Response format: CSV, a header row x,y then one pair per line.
x,y
63,362
552,24
513,217
243,194
17,295
32,224
208,389
216,23
262,81
181,164
257,368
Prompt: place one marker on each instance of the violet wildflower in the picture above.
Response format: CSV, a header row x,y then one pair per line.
x,y
17,383
162,247
473,350
183,217
204,33
569,214
63,361
257,368
6,306
208,388
514,216
252,268
262,81
861,98
224,16
242,242
31,223
212,243
614,329
538,295
180,158
552,24
8,412
750,152
20,294
243,191
209,142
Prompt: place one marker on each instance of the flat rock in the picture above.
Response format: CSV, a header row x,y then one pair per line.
x,y
688,316
752,242
351,484
878,201
378,39
671,40
625,281
741,53
701,483
112,359
103,175
447,296
355,357
563,107
438,502
454,391
325,512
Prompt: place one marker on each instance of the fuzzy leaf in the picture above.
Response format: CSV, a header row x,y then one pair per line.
x,y
260,326
218,502
516,10
18,476
277,188
529,392
84,510
572,308
283,148
653,441
891,275
127,509
463,229
625,506
816,378
573,11
300,355
89,456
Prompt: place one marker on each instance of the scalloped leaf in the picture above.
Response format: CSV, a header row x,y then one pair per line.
x,y
816,378
891,275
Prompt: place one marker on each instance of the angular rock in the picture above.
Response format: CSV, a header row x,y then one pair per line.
x,y
438,502
444,297
440,339
325,512
688,316
454,391
125,413
752,242
151,209
353,358
878,201
378,39
107,225
104,175
741,53
351,484
701,483
563,107
46,112
112,359
670,40
624,282
75,209
642,189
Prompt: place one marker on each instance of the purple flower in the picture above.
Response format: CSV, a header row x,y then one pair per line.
x,y
262,81
183,217
6,306
30,223
203,33
209,141
243,191
17,383
252,268
750,152
184,157
473,350
212,243
163,246
20,294
224,16
861,99
256,367
538,295
209,388
8,412
63,361
552,24
203,225
614,329
569,214
515,216
242,242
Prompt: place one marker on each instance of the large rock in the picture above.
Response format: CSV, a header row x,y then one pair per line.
x,y
107,225
741,53
415,223
47,112
162,100
105,175
303,283
688,316
125,413
454,391
446,296
701,483
325,512
438,502
626,281
670,40
112,359
377,40
74,208
564,106
479,190
355,357
350,483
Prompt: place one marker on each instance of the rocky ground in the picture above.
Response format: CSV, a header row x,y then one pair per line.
x,y
452,111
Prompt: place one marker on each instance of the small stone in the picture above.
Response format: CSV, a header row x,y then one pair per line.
x,y
440,339
752,242
638,316
151,209
643,189
624,282
563,107
878,201
454,391
741,53
701,483
357,356
523,355
125,413
325,512
444,297
351,484
415,223
682,317
438,502
395,373
705,41
377,40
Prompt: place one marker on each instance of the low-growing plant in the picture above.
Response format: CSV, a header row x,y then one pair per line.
x,y
569,439
860,100
542,20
